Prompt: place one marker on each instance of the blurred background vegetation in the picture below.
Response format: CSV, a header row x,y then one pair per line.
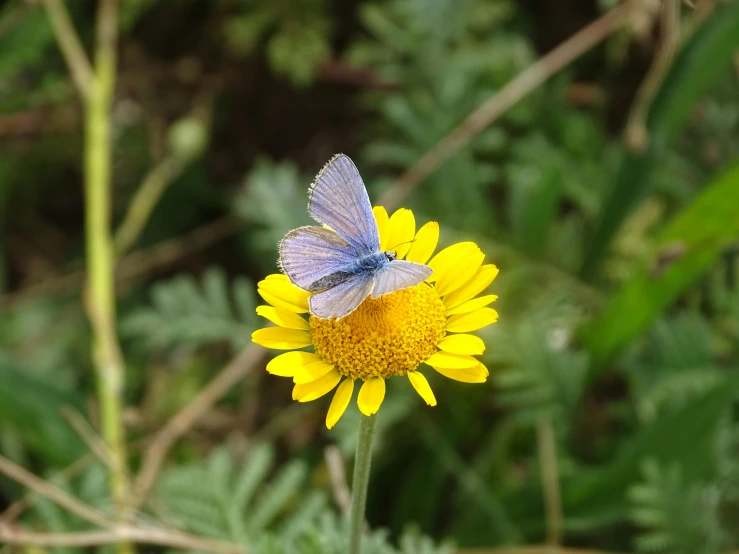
x,y
608,196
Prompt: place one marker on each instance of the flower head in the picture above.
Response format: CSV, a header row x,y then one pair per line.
x,y
391,335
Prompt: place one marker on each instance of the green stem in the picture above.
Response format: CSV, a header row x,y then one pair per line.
x,y
144,202
547,445
70,45
360,481
100,294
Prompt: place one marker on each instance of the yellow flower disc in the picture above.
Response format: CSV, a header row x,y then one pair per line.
x,y
386,336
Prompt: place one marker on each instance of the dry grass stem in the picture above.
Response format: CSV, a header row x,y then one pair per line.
x,y
53,493
158,537
516,89
337,474
181,422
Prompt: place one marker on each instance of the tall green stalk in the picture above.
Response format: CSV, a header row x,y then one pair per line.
x,y
360,482
100,294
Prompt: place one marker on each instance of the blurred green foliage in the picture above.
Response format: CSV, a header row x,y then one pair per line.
x,y
619,283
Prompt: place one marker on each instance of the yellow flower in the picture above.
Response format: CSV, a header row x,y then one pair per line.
x,y
386,336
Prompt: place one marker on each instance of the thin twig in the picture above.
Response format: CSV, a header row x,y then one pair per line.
x,y
636,133
159,537
547,446
14,511
337,474
70,45
93,441
133,265
516,89
540,549
144,202
181,422
55,494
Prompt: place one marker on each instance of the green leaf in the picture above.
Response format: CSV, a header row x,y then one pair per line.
x,y
700,62
686,437
35,408
535,194
184,313
25,41
695,239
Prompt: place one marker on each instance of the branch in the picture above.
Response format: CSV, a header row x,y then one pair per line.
x,y
55,494
636,133
159,537
133,265
516,89
337,473
181,422
144,202
70,45
543,549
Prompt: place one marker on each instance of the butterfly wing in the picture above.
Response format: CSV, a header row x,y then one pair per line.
x,y
339,200
314,258
342,299
399,274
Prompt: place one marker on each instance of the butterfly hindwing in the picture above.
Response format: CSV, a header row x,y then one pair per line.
x,y
338,199
399,274
311,255
342,299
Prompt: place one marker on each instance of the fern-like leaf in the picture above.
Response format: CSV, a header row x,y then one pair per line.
x,y
674,516
188,313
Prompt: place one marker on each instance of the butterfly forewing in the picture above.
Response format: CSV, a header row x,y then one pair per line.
x,y
342,299
397,275
312,257
343,264
339,200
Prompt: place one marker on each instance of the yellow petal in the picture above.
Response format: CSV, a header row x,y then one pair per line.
x,y
342,397
426,240
451,253
472,321
422,387
283,318
484,369
306,392
477,374
454,271
445,359
472,305
478,283
371,395
283,294
281,339
289,363
312,372
383,225
462,344
402,229
277,277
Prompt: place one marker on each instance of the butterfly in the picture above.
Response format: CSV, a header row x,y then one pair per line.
x,y
341,261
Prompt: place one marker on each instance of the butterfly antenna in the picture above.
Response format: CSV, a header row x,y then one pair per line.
x,y
401,244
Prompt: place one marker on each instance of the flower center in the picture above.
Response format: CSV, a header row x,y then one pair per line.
x,y
386,336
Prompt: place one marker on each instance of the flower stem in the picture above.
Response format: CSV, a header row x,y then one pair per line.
x,y
360,481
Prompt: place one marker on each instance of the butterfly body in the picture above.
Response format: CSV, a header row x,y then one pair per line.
x,y
343,264
366,264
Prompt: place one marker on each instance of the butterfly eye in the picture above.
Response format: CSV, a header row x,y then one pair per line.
x,y
391,256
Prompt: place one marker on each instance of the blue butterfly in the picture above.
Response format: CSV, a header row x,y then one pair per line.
x,y
344,264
